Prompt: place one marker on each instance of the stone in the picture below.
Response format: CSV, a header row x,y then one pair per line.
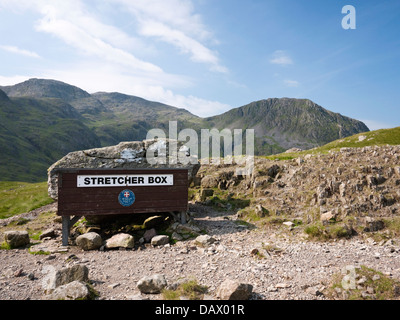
x,y
16,239
234,290
89,241
327,217
49,233
159,240
205,193
55,278
49,246
373,225
75,290
205,240
288,223
120,240
260,211
152,284
209,182
149,234
273,171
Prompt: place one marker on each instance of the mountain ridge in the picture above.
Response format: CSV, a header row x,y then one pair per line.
x,y
51,118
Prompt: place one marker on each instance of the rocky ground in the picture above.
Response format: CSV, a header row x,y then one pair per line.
x,y
258,224
277,264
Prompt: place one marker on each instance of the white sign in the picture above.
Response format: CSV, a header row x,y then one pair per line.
x,y
144,180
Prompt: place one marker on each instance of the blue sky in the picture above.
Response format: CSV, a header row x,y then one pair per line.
x,y
209,56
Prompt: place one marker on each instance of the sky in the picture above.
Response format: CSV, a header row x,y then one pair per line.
x,y
209,56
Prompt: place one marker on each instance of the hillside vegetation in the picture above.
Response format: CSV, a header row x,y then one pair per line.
x,y
21,197
373,138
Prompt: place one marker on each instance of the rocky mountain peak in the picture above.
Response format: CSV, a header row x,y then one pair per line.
x,y
44,88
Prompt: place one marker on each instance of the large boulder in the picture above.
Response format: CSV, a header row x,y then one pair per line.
x,y
89,241
16,239
126,155
55,278
76,290
234,290
152,284
120,240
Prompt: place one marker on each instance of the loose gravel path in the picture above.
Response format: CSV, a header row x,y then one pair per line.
x,y
277,264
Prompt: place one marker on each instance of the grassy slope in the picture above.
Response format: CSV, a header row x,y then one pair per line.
x,y
373,138
20,197
34,133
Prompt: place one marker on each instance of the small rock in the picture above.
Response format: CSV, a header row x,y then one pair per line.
x,y
209,182
205,240
288,223
18,273
75,290
376,277
205,193
373,225
159,240
282,285
89,241
120,240
260,211
149,234
152,284
234,290
328,217
49,233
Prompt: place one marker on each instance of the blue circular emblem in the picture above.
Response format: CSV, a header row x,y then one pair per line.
x,y
126,198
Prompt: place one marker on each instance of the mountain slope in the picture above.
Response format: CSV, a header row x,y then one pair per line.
x,y
285,123
35,132
366,139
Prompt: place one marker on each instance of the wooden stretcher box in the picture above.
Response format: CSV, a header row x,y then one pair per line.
x,y
85,192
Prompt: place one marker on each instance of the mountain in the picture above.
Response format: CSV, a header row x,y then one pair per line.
x,y
281,124
42,120
42,88
35,132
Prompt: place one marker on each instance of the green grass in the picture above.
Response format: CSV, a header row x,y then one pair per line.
x,y
373,138
20,197
189,289
381,286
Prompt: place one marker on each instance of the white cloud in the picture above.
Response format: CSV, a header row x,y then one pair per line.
x,y
173,22
71,23
105,61
291,83
94,78
19,51
280,57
